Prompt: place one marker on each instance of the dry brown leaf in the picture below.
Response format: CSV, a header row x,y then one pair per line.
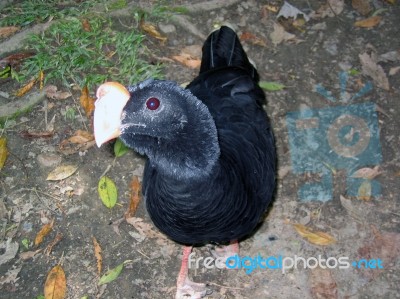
x,y
16,58
279,35
151,30
53,243
24,89
187,60
86,25
97,254
86,101
369,22
41,80
253,39
61,172
81,137
53,93
7,31
144,228
271,8
3,151
56,284
29,254
135,197
362,6
322,284
367,173
314,237
331,9
371,68
36,134
44,231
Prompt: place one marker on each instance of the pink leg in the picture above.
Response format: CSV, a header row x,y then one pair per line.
x,y
185,287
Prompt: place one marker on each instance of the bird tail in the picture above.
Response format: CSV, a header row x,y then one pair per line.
x,y
223,48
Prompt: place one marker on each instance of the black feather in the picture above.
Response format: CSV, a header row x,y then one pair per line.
x,y
211,169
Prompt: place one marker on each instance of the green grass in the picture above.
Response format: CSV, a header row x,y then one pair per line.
x,y
68,53
26,12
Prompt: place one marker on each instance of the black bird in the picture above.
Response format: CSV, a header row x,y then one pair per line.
x,y
210,173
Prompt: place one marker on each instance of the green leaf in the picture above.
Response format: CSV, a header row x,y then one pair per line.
x,y
111,274
25,243
107,191
120,148
354,72
271,86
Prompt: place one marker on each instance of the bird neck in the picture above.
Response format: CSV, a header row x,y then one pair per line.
x,y
194,153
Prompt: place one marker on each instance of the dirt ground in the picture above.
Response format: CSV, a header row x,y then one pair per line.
x,y
317,186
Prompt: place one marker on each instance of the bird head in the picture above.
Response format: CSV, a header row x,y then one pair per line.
x,y
161,120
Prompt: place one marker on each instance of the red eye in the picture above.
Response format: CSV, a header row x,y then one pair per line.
x,y
153,103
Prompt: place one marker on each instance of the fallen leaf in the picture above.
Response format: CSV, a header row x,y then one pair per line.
x,y
288,11
61,172
362,6
271,8
365,190
111,274
107,191
253,39
3,151
36,134
394,70
279,35
151,30
144,228
44,231
11,276
81,137
53,243
7,31
331,9
371,68
322,284
134,198
120,148
29,254
354,209
86,25
314,237
9,250
97,254
187,59
367,173
16,58
271,86
390,56
86,101
53,93
79,142
369,22
56,284
27,87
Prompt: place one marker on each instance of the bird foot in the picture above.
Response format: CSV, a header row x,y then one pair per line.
x,y
192,290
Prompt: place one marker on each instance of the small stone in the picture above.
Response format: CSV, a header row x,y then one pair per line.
x,y
167,28
49,160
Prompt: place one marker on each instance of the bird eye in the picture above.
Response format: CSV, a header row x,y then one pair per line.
x,y
153,103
